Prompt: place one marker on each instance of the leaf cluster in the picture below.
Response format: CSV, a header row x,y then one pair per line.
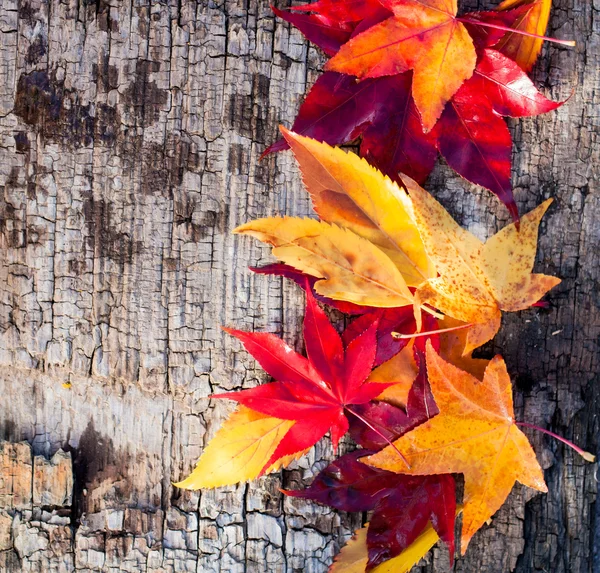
x,y
414,79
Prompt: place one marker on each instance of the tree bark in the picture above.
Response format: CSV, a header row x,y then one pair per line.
x,y
129,141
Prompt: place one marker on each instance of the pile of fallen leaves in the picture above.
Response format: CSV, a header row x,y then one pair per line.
x,y
422,292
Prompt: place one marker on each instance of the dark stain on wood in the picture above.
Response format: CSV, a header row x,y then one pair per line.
x,y
144,96
95,461
43,102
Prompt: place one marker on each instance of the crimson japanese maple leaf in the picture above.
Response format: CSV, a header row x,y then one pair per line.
x,y
315,391
402,506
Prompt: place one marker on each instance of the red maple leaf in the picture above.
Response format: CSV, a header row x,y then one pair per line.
x,y
314,391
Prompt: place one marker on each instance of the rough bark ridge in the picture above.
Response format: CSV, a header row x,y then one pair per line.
x,y
129,139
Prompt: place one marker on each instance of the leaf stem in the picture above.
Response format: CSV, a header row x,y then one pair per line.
x,y
585,455
570,43
367,423
427,333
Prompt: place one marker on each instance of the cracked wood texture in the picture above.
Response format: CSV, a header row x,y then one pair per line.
x,y
129,141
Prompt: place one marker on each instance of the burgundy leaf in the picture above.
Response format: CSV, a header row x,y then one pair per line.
x,y
476,143
394,142
349,485
402,515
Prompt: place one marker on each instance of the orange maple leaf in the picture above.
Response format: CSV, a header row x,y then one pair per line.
x,y
478,280
422,35
474,434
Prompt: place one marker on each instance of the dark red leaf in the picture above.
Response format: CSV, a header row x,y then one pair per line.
x,y
476,143
349,485
336,110
394,142
402,515
402,505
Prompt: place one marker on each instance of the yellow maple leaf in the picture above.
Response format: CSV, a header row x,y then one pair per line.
x,y
347,191
351,268
477,280
474,434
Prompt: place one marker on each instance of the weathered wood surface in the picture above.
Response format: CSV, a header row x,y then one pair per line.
x,y
129,140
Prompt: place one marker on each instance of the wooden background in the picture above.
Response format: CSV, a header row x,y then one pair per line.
x,y
129,141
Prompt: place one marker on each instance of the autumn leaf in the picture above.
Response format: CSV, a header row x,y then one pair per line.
x,y
347,191
239,450
474,434
477,280
314,392
353,557
524,49
424,36
351,268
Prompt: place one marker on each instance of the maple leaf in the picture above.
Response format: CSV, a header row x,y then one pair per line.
x,y
350,268
472,136
477,280
534,19
424,36
474,434
313,392
377,254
